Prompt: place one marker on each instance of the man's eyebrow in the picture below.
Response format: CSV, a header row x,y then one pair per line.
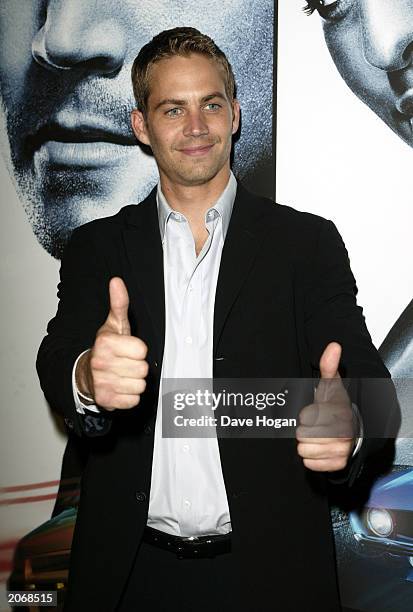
x,y
176,102
215,94
171,101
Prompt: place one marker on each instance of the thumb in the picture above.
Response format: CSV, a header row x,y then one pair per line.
x,y
328,387
119,304
330,360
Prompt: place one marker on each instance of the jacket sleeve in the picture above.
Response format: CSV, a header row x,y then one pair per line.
x,y
83,296
332,314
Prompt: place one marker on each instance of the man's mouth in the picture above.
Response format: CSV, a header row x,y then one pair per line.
x,y
402,125
402,115
198,151
87,143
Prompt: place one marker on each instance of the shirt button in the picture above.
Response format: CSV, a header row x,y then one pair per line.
x,y
185,448
190,288
140,496
188,340
187,503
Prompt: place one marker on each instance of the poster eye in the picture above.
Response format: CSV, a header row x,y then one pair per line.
x,y
322,6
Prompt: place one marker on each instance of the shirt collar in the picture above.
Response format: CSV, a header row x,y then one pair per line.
x,y
223,206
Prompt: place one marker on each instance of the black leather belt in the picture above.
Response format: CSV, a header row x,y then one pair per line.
x,y
189,548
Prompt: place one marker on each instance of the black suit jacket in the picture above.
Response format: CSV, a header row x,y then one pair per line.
x,y
285,290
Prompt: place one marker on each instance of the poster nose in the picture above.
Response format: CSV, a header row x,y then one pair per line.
x,y
77,34
387,32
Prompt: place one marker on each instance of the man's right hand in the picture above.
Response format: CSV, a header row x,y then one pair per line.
x,y
113,371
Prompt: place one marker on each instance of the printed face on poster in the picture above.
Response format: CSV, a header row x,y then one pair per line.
x,y
370,45
349,58
66,96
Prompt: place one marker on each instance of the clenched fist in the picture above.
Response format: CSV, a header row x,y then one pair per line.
x,y
326,434
113,371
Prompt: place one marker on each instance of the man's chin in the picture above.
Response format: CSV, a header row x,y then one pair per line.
x,y
54,219
53,229
53,225
53,243
55,208
199,175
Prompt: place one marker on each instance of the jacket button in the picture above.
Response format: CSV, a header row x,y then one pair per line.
x,y
155,364
148,430
69,423
140,496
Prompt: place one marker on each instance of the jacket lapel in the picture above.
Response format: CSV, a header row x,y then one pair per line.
x,y
145,256
244,236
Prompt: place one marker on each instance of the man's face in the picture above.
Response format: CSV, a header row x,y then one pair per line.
x,y
67,95
189,121
370,42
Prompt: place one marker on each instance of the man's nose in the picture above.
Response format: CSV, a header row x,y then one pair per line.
x,y
76,35
195,124
387,33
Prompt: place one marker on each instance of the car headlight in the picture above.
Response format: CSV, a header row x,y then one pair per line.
x,y
380,521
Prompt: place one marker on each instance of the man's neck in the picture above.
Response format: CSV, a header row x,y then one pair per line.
x,y
193,201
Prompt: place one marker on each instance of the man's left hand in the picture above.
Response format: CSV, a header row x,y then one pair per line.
x,y
326,431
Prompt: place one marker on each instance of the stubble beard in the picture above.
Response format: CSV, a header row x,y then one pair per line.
x,y
198,171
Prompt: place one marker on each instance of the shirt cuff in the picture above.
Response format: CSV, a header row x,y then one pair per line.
x,y
77,395
359,442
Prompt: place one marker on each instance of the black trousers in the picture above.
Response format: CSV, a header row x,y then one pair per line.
x,y
159,581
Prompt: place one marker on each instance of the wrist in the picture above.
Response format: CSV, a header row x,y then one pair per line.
x,y
83,378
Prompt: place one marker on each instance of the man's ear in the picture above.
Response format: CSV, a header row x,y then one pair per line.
x,y
139,126
235,115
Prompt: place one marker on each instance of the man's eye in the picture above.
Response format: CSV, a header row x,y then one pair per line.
x,y
328,9
212,106
173,112
317,5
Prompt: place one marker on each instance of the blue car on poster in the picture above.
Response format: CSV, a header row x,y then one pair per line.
x,y
385,524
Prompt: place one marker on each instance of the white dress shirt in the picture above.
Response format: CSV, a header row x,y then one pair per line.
x,y
187,496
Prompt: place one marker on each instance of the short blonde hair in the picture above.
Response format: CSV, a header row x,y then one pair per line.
x,y
178,41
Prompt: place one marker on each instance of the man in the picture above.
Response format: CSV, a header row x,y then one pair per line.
x,y
66,95
370,43
198,281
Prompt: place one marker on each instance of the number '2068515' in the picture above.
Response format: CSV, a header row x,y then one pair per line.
x,y
40,598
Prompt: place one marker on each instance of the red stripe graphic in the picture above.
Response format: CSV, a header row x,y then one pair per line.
x,y
37,485
25,500
8,544
28,487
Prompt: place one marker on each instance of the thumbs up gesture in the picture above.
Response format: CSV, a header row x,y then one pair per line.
x,y
326,434
113,372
